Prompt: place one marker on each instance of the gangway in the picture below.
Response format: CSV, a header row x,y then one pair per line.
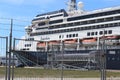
x,y
75,60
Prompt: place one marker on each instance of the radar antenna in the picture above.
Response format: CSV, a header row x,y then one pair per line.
x,y
72,5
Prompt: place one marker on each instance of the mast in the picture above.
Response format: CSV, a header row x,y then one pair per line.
x,y
72,5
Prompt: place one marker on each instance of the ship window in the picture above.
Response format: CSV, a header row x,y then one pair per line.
x,y
51,27
73,35
111,25
109,19
57,26
110,32
70,35
27,45
60,36
100,20
77,23
101,32
102,26
98,26
70,24
42,28
115,24
84,22
76,35
27,49
106,25
30,39
82,28
67,36
72,29
93,27
88,34
41,24
105,32
92,21
56,21
92,33
56,16
74,18
117,18
78,29
90,27
95,33
63,25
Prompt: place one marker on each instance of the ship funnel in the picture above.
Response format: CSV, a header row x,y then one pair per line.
x,y
72,5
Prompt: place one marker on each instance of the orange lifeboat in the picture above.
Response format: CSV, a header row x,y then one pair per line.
x,y
41,44
70,41
89,41
112,40
113,37
54,42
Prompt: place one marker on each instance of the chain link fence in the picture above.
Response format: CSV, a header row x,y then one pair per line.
x,y
53,62
50,61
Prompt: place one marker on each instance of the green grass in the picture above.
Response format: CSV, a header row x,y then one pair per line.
x,y
2,71
36,72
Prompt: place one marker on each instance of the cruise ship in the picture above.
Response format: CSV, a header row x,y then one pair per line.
x,y
73,36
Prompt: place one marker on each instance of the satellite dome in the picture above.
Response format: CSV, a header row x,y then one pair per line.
x,y
80,5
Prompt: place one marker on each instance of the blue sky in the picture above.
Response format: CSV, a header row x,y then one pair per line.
x,y
25,10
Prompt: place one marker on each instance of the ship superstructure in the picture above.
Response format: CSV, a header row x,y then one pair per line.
x,y
79,30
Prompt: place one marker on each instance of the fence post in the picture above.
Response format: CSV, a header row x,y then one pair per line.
x,y
10,50
62,52
13,59
6,66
